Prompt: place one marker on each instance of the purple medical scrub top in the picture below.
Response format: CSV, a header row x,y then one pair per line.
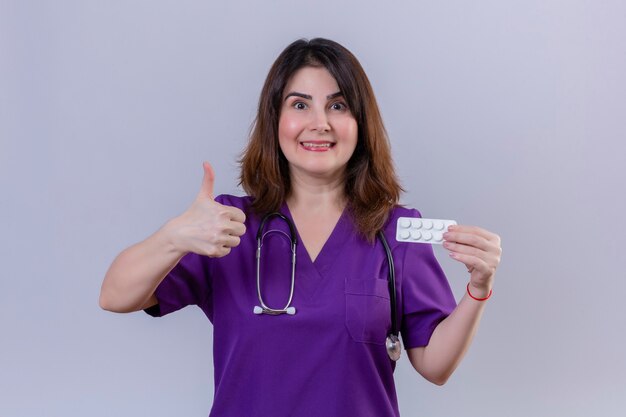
x,y
329,359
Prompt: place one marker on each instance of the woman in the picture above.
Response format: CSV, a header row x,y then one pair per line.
x,y
318,154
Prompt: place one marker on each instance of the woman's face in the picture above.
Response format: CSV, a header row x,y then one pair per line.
x,y
316,131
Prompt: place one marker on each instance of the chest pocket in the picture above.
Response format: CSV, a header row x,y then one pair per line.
x,y
368,314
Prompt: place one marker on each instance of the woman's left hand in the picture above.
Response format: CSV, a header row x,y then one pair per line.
x,y
479,250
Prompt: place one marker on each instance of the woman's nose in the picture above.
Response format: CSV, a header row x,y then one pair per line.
x,y
319,121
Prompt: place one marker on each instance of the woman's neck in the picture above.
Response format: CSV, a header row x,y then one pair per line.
x,y
316,205
315,194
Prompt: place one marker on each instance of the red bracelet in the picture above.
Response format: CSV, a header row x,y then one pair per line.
x,y
478,299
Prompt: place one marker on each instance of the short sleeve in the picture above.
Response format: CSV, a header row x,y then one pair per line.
x,y
427,298
186,284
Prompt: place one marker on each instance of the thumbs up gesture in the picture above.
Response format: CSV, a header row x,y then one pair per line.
x,y
207,227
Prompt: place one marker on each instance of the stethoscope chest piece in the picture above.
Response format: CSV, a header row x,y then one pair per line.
x,y
394,348
274,312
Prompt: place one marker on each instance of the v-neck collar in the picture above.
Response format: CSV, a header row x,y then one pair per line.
x,y
311,274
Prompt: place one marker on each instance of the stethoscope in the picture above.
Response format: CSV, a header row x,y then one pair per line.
x,y
392,342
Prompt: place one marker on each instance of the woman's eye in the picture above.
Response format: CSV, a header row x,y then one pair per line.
x,y
338,106
299,105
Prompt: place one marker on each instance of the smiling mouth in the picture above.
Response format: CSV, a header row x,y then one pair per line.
x,y
317,146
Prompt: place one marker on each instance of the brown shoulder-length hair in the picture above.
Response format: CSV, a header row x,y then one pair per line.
x,y
371,186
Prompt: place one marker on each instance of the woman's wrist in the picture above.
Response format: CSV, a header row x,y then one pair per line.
x,y
168,237
480,293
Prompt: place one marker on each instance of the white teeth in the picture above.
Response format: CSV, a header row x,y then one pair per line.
x,y
316,145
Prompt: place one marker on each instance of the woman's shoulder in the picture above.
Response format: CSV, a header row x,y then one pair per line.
x,y
241,202
403,211
397,212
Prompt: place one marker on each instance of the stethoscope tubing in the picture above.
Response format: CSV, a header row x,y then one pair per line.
x,y
391,283
264,308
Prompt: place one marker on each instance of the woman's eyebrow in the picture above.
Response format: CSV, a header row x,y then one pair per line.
x,y
309,97
293,93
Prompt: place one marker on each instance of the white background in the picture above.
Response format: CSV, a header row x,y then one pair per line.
x,y
505,114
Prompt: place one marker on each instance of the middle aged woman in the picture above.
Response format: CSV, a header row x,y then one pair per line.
x,y
319,155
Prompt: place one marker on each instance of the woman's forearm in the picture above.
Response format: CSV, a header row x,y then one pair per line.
x,y
480,251
136,272
451,340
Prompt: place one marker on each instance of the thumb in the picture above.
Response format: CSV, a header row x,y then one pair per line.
x,y
206,190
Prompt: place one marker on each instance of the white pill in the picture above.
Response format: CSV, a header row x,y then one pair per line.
x,y
405,223
415,235
438,225
428,224
404,234
427,235
417,223
438,237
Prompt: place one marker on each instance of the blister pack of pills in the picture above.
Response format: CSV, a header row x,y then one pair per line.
x,y
419,230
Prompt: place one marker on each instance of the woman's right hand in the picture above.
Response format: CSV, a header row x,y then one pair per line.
x,y
207,227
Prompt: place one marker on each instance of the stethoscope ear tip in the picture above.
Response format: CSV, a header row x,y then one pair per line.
x,y
258,310
291,311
